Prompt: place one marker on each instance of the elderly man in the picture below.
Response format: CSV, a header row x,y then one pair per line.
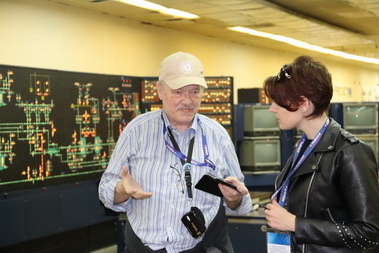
x,y
157,162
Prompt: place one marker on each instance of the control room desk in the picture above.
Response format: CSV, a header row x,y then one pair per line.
x,y
248,232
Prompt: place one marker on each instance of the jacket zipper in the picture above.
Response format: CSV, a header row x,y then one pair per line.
x,y
308,192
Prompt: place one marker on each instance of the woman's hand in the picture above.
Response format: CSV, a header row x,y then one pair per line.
x,y
279,218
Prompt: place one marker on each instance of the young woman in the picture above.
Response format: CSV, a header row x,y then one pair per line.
x,y
327,195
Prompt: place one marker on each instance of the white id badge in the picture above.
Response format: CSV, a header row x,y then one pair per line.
x,y
278,242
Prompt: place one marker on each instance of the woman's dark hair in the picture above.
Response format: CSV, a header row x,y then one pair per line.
x,y
304,77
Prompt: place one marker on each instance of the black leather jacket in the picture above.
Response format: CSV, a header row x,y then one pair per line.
x,y
335,196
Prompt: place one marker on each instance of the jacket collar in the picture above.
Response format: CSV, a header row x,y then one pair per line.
x,y
329,138
326,144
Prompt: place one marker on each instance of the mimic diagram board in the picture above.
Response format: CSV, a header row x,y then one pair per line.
x,y
58,126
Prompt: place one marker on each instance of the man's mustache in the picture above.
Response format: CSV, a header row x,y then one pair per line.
x,y
185,107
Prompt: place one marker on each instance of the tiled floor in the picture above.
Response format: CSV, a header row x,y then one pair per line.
x,y
111,249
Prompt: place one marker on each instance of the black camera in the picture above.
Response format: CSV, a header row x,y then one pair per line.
x,y
194,222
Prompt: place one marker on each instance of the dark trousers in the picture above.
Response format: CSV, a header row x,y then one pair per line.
x,y
216,236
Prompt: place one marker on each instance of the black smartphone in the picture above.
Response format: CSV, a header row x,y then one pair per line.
x,y
209,183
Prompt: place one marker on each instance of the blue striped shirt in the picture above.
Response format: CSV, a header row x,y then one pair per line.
x,y
141,147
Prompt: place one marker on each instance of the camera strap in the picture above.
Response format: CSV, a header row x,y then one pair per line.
x,y
186,164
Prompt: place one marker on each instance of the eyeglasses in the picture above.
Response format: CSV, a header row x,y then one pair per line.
x,y
283,73
179,183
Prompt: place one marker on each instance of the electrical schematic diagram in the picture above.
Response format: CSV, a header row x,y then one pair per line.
x,y
59,127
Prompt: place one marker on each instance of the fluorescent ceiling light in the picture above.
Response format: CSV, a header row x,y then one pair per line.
x,y
143,4
178,13
156,7
305,45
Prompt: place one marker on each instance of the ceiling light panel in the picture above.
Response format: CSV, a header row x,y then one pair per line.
x,y
312,21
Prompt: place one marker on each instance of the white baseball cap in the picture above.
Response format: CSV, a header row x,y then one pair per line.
x,y
181,69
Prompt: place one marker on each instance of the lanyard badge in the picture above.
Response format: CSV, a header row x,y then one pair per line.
x,y
278,241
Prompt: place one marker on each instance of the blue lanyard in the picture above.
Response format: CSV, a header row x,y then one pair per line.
x,y
283,189
183,157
